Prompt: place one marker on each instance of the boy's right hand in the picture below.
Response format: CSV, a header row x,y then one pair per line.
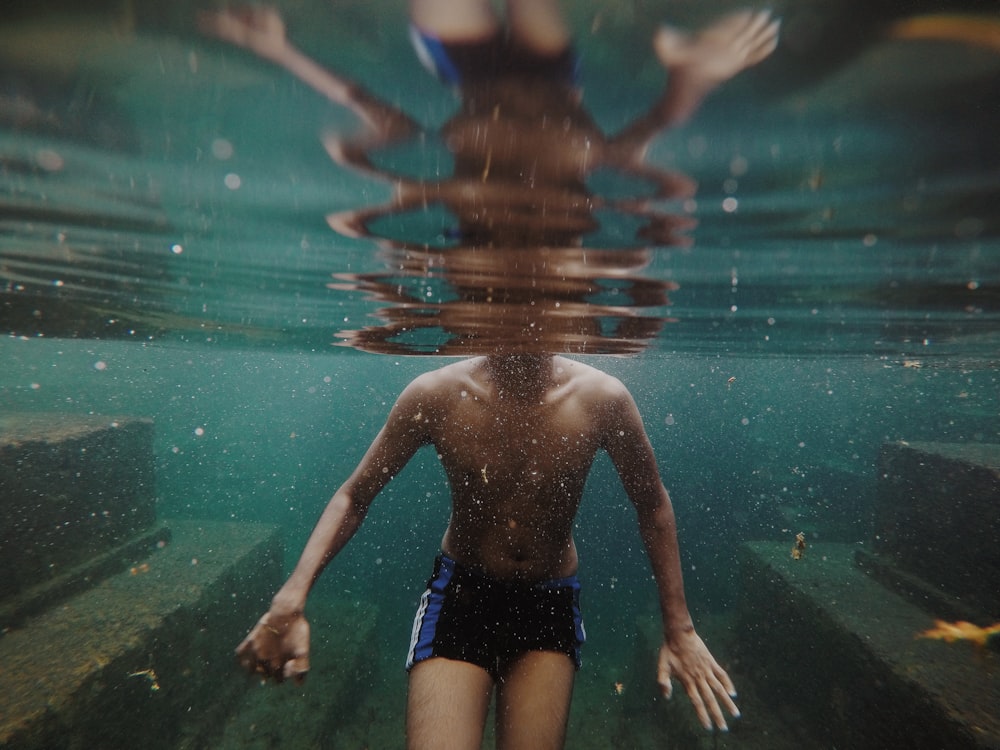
x,y
277,648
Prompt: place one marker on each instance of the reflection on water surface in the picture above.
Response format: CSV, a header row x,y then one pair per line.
x,y
159,183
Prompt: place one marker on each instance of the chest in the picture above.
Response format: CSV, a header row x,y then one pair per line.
x,y
519,438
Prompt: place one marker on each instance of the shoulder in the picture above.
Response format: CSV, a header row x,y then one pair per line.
x,y
609,403
592,385
435,385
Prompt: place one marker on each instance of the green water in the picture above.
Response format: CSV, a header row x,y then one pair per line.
x,y
164,252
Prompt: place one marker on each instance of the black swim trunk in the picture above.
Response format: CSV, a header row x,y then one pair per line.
x,y
471,617
457,63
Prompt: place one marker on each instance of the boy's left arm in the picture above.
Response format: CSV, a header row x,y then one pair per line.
x,y
683,654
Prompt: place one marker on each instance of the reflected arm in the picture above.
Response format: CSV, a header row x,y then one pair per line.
x,y
697,64
261,30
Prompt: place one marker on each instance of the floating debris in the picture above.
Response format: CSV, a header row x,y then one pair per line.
x,y
799,548
150,675
949,632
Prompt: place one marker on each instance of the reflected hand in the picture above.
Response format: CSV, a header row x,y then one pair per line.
x,y
715,54
256,28
688,659
277,648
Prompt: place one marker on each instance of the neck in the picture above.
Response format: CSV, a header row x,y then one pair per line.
x,y
520,375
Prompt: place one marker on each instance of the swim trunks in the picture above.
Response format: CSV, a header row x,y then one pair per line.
x,y
456,63
468,616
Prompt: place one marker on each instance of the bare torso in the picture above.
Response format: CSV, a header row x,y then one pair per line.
x,y
517,461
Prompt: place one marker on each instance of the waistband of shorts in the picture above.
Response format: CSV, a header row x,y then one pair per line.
x,y
452,566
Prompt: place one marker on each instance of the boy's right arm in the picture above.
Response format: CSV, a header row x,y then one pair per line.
x,y
278,645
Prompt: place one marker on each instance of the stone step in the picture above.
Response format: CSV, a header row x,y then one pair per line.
x,y
327,709
833,646
144,658
937,517
32,600
73,487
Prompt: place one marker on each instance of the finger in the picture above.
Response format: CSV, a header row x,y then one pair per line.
x,y
756,22
663,675
733,22
712,703
246,655
699,706
297,669
730,705
248,663
727,683
751,33
766,43
244,647
724,690
666,686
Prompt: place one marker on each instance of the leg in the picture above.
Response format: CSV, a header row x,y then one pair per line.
x,y
453,21
533,700
447,705
538,25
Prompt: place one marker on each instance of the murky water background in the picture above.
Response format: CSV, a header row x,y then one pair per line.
x,y
164,251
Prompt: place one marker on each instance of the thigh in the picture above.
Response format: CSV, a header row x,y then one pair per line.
x,y
447,705
533,698
539,26
451,21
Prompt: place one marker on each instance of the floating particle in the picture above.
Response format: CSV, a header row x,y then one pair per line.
x,y
49,160
222,149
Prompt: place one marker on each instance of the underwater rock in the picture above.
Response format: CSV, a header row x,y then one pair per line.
x,y
829,643
937,518
74,487
144,659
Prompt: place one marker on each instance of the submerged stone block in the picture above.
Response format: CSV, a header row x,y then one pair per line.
x,y
937,517
325,710
15,609
144,658
829,644
71,487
